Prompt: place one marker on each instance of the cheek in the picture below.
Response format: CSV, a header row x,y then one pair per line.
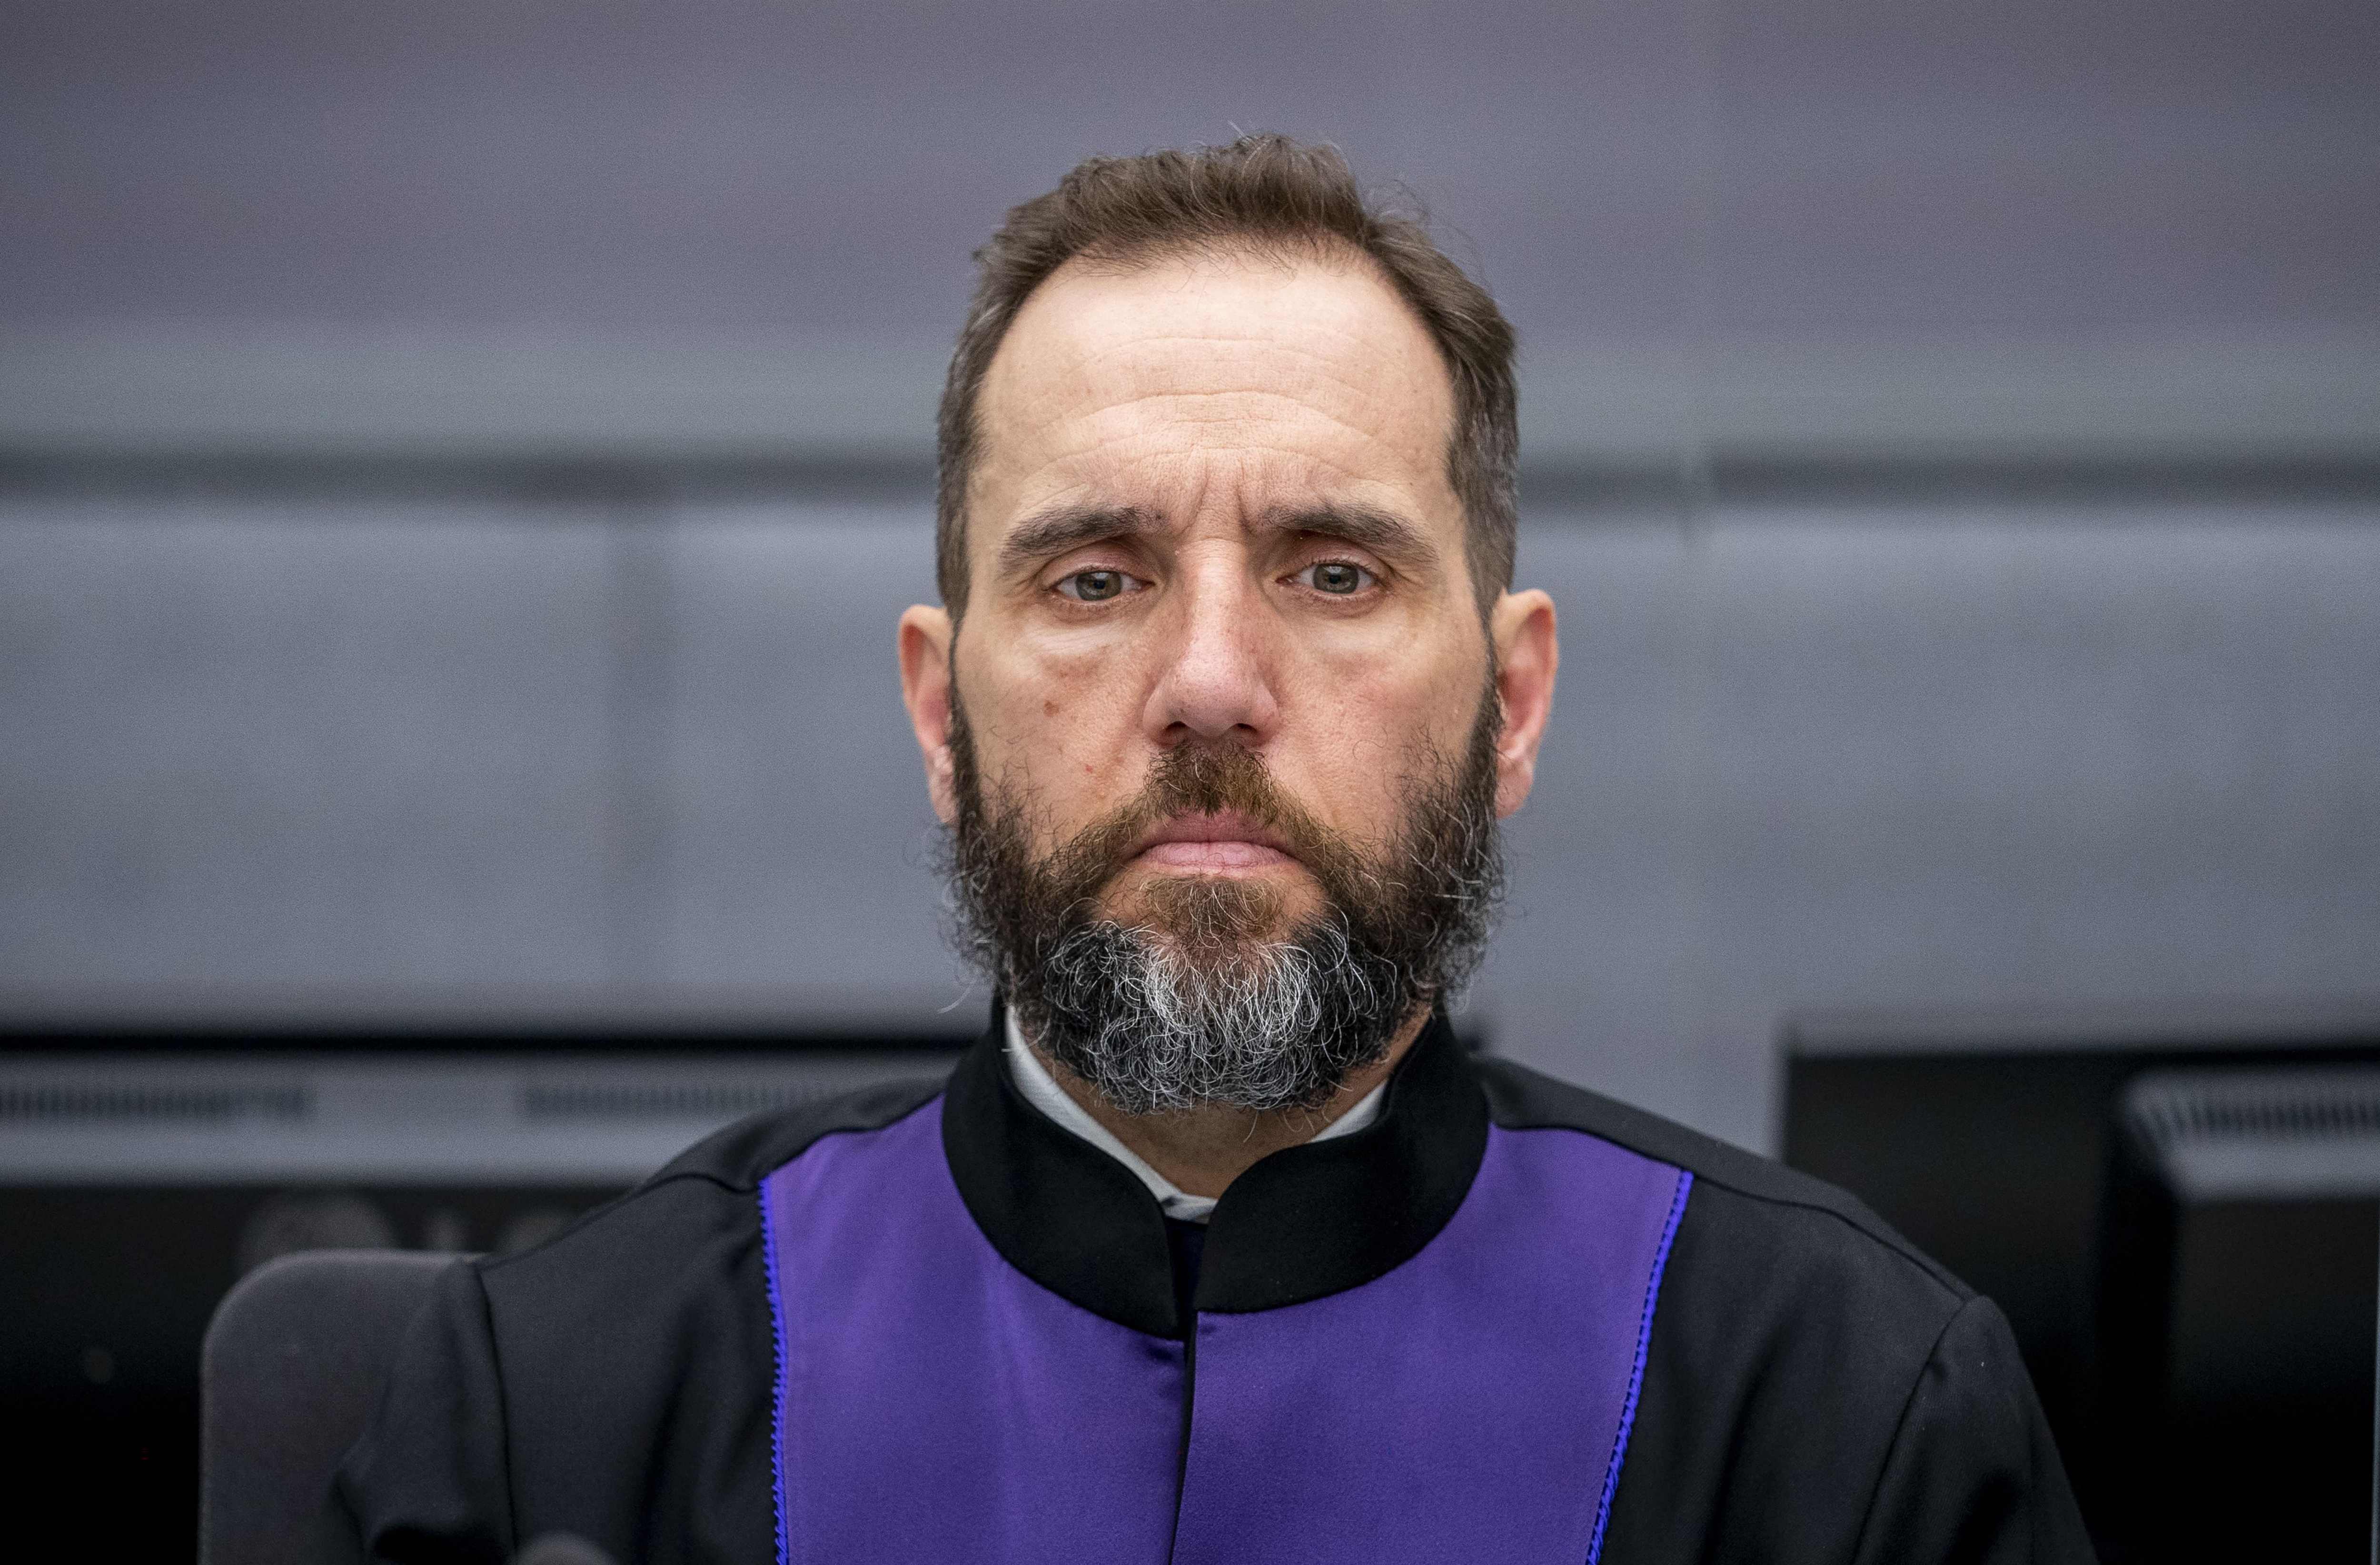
x,y
1056,730
1353,733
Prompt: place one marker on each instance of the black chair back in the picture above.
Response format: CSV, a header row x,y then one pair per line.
x,y
293,1366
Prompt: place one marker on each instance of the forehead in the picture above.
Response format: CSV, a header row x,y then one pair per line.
x,y
1266,373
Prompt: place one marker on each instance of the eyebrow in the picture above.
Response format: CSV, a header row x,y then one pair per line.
x,y
1070,526
1052,532
1384,532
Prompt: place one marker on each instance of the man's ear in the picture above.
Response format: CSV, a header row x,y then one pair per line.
x,y
924,647
1521,628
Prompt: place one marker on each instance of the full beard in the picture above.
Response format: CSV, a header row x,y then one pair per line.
x,y
1202,996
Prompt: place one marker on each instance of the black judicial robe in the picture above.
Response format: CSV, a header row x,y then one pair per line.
x,y
1511,1320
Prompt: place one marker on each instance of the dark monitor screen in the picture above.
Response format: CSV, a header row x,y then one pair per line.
x,y
1994,1144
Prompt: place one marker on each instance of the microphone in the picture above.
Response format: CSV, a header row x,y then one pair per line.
x,y
561,1549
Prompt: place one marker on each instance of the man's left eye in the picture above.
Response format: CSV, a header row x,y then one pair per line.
x,y
1096,586
1336,577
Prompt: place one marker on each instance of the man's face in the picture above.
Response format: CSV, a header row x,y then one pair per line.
x,y
1213,510
1211,525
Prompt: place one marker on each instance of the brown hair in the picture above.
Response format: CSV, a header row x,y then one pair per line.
x,y
1276,194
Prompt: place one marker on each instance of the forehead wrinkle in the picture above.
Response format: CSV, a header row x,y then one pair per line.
x,y
1077,433
1086,345
1274,478
1206,410
1306,467
1331,368
1104,327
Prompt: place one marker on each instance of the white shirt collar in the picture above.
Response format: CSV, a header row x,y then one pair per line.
x,y
1041,1089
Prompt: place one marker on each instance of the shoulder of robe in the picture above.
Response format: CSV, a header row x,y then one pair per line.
x,y
607,1376
741,1156
1813,1378
1766,1209
698,1209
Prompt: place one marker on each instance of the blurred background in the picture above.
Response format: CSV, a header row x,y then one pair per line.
x,y
459,467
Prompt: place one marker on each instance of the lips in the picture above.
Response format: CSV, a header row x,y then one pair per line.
x,y
1216,842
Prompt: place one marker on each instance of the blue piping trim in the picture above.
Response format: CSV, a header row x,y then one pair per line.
x,y
1636,1375
785,1373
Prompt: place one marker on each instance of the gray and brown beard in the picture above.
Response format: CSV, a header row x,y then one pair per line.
x,y
1205,998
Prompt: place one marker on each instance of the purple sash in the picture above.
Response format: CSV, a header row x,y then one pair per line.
x,y
935,1405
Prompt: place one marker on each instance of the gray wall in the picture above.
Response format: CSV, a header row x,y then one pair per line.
x,y
1842,226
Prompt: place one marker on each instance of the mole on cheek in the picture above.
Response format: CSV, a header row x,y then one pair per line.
x,y
1049,708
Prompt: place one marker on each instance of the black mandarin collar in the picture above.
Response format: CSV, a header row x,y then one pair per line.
x,y
1307,1220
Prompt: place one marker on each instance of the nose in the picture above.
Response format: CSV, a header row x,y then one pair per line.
x,y
1216,685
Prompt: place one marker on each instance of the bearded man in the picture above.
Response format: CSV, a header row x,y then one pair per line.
x,y
1219,1247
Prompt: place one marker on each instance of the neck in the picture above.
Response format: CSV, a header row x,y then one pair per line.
x,y
1203,1149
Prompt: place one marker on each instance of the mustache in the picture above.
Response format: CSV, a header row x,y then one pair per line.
x,y
1197,778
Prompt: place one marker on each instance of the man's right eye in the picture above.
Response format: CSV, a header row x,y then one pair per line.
x,y
1095,587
